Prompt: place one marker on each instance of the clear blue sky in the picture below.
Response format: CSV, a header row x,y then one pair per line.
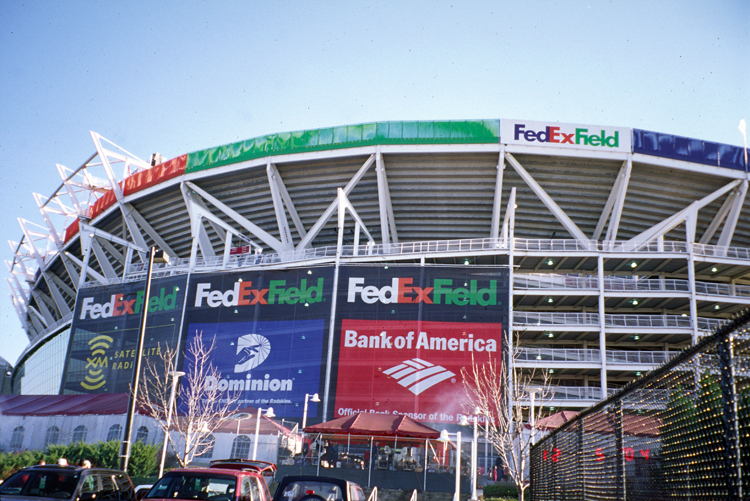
x,y
179,76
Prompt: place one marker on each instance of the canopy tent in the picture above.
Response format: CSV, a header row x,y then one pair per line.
x,y
632,424
403,430
65,405
244,421
554,421
375,425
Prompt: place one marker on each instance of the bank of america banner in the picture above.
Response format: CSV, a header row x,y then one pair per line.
x,y
269,329
105,329
404,334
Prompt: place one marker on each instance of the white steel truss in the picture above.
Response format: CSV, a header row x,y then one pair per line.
x,y
42,298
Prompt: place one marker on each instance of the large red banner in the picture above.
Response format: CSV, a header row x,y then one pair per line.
x,y
410,367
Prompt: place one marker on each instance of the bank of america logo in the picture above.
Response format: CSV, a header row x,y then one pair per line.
x,y
418,375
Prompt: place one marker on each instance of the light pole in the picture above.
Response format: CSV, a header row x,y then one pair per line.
x,y
315,398
176,375
532,395
474,452
444,437
239,417
155,256
270,414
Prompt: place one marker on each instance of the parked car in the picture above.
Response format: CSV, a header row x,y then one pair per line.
x,y
266,469
46,482
314,488
212,484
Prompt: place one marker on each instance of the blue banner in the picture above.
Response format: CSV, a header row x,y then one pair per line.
x,y
270,332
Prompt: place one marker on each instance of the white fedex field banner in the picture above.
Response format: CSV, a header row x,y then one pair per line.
x,y
587,137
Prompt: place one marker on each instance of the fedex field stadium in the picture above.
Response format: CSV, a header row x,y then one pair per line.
x,y
371,263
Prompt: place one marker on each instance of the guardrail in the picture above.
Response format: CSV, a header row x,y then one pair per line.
x,y
655,358
558,319
542,281
464,246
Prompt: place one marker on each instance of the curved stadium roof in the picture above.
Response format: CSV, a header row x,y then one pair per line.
x,y
408,182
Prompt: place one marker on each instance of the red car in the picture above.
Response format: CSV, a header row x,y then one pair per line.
x,y
212,484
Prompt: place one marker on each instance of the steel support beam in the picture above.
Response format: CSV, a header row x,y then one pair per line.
x,y
322,220
547,200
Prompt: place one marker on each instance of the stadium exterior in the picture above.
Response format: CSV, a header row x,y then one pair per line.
x,y
600,251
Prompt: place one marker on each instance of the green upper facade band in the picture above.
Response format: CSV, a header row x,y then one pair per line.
x,y
347,136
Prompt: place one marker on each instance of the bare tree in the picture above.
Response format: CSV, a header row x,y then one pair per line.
x,y
499,394
203,406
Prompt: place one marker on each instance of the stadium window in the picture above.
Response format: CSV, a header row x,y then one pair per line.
x,y
52,437
207,451
141,435
114,433
16,440
240,447
79,434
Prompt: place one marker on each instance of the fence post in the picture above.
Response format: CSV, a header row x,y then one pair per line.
x,y
580,461
621,488
731,423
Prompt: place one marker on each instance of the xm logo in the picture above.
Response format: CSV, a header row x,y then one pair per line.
x,y
94,378
417,375
252,350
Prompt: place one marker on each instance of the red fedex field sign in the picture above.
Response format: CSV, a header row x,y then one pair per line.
x,y
410,367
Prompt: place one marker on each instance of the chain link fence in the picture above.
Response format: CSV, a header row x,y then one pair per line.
x,y
680,432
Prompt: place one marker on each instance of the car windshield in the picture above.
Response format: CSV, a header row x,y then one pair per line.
x,y
296,490
42,484
186,485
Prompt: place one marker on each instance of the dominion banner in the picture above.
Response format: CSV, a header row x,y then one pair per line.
x,y
105,328
404,334
270,332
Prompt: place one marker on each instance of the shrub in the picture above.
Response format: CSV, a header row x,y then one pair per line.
x,y
143,458
499,491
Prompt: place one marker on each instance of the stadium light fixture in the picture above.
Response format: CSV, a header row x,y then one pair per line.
x,y
269,414
533,390
445,438
633,264
550,262
315,398
176,375
239,417
474,451
155,256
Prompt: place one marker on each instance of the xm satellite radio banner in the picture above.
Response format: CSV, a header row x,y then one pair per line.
x,y
269,330
405,333
105,329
